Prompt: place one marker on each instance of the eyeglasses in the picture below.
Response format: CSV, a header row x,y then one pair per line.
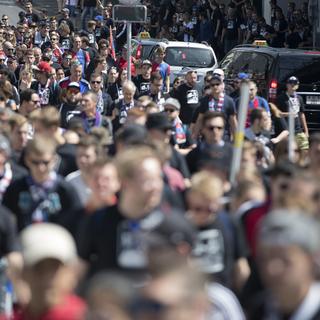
x,y
212,128
4,19
2,60
73,90
95,82
10,49
169,110
215,84
40,162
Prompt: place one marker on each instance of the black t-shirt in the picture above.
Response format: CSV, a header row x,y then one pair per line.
x,y
32,17
8,233
142,84
189,101
228,108
31,203
107,240
90,3
283,103
231,26
217,248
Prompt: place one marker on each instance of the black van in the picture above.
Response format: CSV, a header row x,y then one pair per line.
x,y
271,67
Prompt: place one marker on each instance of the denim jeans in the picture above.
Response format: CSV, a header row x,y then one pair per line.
x,y
87,11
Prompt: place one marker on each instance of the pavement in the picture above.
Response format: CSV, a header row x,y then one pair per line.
x,y
10,8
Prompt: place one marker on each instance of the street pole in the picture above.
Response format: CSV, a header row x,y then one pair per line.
x,y
239,135
291,134
129,35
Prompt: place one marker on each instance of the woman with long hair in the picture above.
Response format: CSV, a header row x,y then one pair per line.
x,y
25,79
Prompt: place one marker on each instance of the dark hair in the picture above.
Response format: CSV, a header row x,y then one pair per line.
x,y
26,95
155,76
97,60
212,115
256,114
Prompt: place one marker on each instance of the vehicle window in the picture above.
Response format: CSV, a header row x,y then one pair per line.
x,y
254,64
306,68
146,50
189,57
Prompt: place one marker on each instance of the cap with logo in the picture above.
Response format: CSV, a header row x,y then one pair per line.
x,y
293,80
47,241
74,85
173,102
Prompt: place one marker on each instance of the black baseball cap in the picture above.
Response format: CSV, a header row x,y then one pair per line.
x,y
158,121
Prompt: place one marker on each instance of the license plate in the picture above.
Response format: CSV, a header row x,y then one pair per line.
x,y
313,100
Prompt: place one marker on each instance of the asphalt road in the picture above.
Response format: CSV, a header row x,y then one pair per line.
x,y
10,8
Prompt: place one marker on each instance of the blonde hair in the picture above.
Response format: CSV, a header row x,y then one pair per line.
x,y
27,70
129,160
207,185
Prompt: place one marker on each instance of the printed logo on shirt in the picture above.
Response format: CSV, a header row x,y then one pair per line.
x,y
24,201
209,251
130,249
144,86
230,24
192,97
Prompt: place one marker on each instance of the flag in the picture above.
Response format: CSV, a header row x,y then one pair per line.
x,y
111,45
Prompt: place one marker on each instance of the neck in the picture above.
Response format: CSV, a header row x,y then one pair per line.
x,y
90,114
290,92
216,95
255,128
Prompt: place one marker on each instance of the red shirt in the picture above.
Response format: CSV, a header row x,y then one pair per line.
x,y
72,308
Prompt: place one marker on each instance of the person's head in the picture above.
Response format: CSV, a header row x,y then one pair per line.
x,y
89,103
292,84
213,124
37,55
288,247
44,29
8,48
29,57
159,127
203,198
28,7
96,82
191,78
137,116
156,82
6,89
103,47
86,153
10,36
76,71
60,73
66,59
260,119
49,251
65,13
176,82
5,20
128,89
172,108
40,157
46,121
43,70
12,63
29,101
216,85
252,90
123,75
53,24
85,43
146,69
140,169
18,131
103,179
100,64
76,42
113,75
73,94
160,54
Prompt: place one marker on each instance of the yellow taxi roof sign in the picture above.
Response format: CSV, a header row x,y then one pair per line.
x,y
144,35
260,43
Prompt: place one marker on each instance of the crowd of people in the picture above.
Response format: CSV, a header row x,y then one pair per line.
x,y
116,198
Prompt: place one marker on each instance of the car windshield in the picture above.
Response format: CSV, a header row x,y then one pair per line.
x,y
189,57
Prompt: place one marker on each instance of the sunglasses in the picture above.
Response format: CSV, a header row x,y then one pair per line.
x,y
212,128
215,84
95,82
2,60
40,162
75,91
169,110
